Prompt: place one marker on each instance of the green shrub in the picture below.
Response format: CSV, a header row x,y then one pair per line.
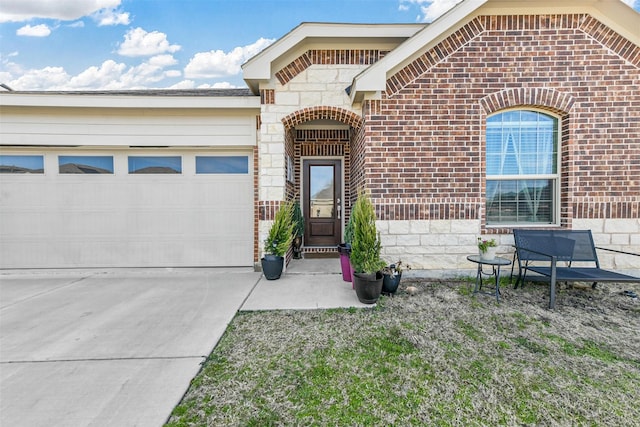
x,y
365,247
348,231
298,220
281,231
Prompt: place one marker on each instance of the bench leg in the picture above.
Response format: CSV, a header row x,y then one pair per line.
x,y
522,275
593,286
552,285
513,265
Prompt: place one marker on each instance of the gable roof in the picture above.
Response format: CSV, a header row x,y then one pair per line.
x,y
614,13
310,35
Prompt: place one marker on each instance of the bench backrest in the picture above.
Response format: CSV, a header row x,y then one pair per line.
x,y
566,245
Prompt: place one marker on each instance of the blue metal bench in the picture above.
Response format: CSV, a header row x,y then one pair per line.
x,y
539,251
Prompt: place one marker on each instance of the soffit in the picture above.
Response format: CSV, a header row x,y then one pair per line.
x,y
198,99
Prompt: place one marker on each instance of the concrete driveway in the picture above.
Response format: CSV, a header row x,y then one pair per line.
x,y
108,347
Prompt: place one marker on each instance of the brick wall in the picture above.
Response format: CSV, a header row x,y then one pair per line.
x,y
420,148
328,57
426,139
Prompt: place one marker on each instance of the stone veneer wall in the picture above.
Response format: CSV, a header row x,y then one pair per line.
x,y
421,148
426,159
312,87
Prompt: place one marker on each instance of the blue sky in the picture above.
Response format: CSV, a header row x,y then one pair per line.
x,y
138,44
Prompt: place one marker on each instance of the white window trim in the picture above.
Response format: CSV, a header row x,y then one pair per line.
x,y
555,177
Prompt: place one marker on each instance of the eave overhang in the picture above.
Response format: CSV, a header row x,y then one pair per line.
x,y
310,35
141,100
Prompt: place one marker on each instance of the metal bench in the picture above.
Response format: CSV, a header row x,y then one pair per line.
x,y
539,251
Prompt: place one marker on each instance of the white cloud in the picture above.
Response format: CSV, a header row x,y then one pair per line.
x,y
66,10
184,84
77,24
162,60
36,31
220,85
106,17
190,84
138,42
100,77
110,75
5,76
142,75
217,63
44,79
430,9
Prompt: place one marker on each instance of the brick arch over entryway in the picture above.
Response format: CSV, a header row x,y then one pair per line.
x,y
323,113
558,102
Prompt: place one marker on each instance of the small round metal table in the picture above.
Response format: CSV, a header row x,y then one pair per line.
x,y
495,264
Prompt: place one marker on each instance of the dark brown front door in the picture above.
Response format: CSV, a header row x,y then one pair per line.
x,y
322,202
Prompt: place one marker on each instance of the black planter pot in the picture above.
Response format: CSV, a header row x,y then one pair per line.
x,y
390,283
272,266
297,247
344,249
368,286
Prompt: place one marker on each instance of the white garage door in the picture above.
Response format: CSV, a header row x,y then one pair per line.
x,y
147,208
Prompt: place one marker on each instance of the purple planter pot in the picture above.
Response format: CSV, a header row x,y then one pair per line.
x,y
345,263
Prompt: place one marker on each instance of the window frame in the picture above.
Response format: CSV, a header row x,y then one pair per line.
x,y
197,157
554,177
13,154
106,156
154,156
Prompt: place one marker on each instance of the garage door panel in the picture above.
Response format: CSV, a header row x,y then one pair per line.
x,y
125,220
160,253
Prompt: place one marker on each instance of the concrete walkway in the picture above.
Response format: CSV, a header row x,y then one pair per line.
x,y
119,347
307,284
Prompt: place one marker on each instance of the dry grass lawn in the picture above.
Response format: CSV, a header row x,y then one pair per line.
x,y
441,357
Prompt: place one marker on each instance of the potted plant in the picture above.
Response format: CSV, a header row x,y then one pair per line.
x,y
298,230
344,249
365,251
487,248
392,275
278,242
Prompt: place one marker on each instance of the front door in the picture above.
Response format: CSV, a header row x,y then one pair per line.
x,y
322,202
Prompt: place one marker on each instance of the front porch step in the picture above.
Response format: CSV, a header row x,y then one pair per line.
x,y
320,252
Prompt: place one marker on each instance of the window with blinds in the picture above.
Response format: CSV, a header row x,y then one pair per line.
x,y
522,168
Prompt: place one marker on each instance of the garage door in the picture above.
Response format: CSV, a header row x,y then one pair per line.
x,y
147,208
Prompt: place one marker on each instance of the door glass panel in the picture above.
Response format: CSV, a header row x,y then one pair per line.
x,y
321,191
